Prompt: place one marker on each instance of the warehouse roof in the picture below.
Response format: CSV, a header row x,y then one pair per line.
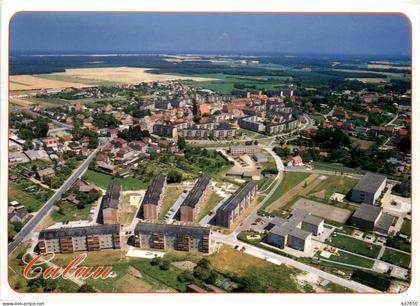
x,y
370,182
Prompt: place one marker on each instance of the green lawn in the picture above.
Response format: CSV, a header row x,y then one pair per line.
x,y
172,193
352,259
396,258
213,200
355,246
319,165
406,228
399,244
290,180
334,183
19,283
31,201
102,180
68,211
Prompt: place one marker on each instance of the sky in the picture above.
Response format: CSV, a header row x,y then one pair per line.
x,y
341,34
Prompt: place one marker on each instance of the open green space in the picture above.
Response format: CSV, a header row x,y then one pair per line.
x,y
19,283
68,211
31,200
224,84
400,244
396,258
319,165
351,259
171,194
102,180
406,228
355,246
290,180
213,200
335,183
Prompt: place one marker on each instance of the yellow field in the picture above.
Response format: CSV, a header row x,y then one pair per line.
x,y
27,82
383,66
368,80
84,77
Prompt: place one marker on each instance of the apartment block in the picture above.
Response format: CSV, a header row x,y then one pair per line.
x,y
153,198
74,239
234,206
196,197
173,237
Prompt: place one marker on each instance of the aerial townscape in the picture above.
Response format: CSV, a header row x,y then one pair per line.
x,y
212,173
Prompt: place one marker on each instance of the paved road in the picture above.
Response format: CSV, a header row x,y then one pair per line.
x,y
246,224
279,259
33,223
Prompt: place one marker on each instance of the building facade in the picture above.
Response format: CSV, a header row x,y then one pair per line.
x,y
234,206
369,188
74,239
198,195
110,205
173,237
153,198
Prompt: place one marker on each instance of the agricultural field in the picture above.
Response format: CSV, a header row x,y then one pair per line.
x,y
85,77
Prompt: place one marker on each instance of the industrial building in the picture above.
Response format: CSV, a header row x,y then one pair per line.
x,y
110,206
295,232
74,239
369,188
372,218
230,210
173,237
195,198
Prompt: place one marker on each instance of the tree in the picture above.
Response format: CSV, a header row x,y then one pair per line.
x,y
202,273
86,288
174,176
181,143
186,276
165,264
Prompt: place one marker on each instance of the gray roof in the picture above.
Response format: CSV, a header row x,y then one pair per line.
x,y
300,233
367,212
289,226
152,195
112,196
67,232
384,222
276,221
233,201
370,182
170,229
196,192
311,219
